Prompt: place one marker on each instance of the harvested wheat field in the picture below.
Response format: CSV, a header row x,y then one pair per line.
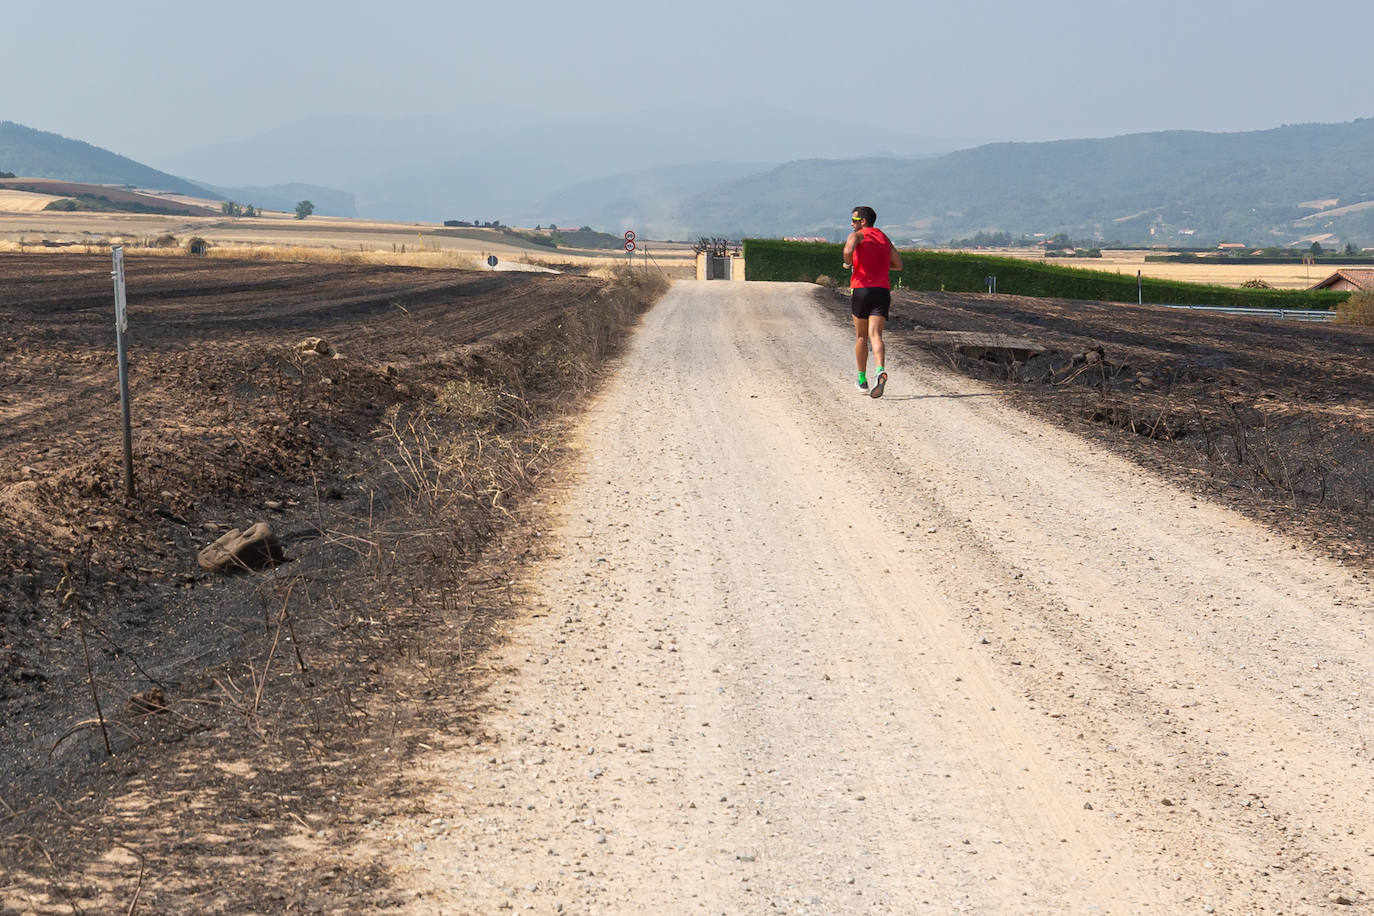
x,y
1212,271
736,638
1279,276
23,201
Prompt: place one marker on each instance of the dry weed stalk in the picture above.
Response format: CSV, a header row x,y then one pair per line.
x,y
1358,309
66,592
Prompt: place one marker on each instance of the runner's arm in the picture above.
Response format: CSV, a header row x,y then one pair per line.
x,y
849,245
894,259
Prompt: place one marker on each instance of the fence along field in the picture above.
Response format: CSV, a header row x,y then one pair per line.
x,y
766,259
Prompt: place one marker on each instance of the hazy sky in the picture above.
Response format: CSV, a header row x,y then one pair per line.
x,y
149,79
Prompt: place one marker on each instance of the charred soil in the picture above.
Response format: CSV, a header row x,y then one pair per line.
x,y
1274,417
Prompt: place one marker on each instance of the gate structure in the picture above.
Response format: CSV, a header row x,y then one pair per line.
x,y
719,259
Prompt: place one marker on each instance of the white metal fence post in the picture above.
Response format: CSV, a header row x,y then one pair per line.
x,y
122,325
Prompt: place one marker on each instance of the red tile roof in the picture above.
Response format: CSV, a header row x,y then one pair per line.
x,y
1359,278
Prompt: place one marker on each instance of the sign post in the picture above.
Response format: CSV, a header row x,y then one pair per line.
x,y
121,326
630,246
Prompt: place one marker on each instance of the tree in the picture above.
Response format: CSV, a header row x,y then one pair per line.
x,y
250,210
1316,248
304,209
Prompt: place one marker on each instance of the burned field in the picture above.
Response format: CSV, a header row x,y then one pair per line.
x,y
1274,417
388,458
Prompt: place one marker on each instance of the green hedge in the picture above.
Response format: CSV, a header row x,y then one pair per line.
x,y
768,259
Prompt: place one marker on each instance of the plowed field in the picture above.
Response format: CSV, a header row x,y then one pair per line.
x,y
230,424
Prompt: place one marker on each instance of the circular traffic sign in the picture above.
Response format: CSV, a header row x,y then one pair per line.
x,y
491,260
629,235
629,244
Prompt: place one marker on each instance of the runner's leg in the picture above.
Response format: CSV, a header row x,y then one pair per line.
x,y
861,342
876,323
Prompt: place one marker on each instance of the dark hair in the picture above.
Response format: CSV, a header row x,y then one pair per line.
x,y
867,214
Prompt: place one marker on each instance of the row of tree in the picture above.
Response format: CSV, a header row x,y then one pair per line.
x,y
231,208
497,224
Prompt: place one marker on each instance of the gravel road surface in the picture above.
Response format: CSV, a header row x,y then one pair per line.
x,y
796,650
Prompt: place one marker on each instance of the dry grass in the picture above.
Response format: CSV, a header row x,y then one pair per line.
x,y
1358,309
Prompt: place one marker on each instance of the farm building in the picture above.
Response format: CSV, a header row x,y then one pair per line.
x,y
1348,279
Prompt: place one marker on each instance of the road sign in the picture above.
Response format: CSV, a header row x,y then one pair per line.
x,y
491,260
629,244
629,235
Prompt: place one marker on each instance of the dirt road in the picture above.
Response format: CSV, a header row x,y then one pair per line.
x,y
796,650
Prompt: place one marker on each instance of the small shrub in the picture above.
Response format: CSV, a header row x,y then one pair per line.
x,y
1256,283
1358,309
468,400
827,281
164,241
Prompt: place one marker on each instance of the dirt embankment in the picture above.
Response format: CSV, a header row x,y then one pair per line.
x,y
387,470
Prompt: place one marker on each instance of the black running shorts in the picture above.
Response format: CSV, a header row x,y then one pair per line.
x,y
871,300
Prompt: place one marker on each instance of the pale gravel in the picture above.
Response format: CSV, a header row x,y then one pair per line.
x,y
796,650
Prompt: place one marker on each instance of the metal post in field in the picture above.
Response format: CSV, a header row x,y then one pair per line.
x,y
1139,289
121,326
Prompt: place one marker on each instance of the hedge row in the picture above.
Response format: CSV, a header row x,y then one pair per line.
x,y
768,259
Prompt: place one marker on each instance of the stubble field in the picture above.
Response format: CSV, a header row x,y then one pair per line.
x,y
1218,273
24,226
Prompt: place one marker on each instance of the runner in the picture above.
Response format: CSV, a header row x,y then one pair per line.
x,y
872,255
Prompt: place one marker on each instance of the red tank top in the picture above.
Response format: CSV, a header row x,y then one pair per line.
x,y
872,258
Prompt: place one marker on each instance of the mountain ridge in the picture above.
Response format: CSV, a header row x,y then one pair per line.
x,y
32,153
1181,184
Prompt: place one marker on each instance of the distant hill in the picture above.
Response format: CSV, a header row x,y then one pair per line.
x,y
646,200
31,153
1184,187
74,196
485,160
